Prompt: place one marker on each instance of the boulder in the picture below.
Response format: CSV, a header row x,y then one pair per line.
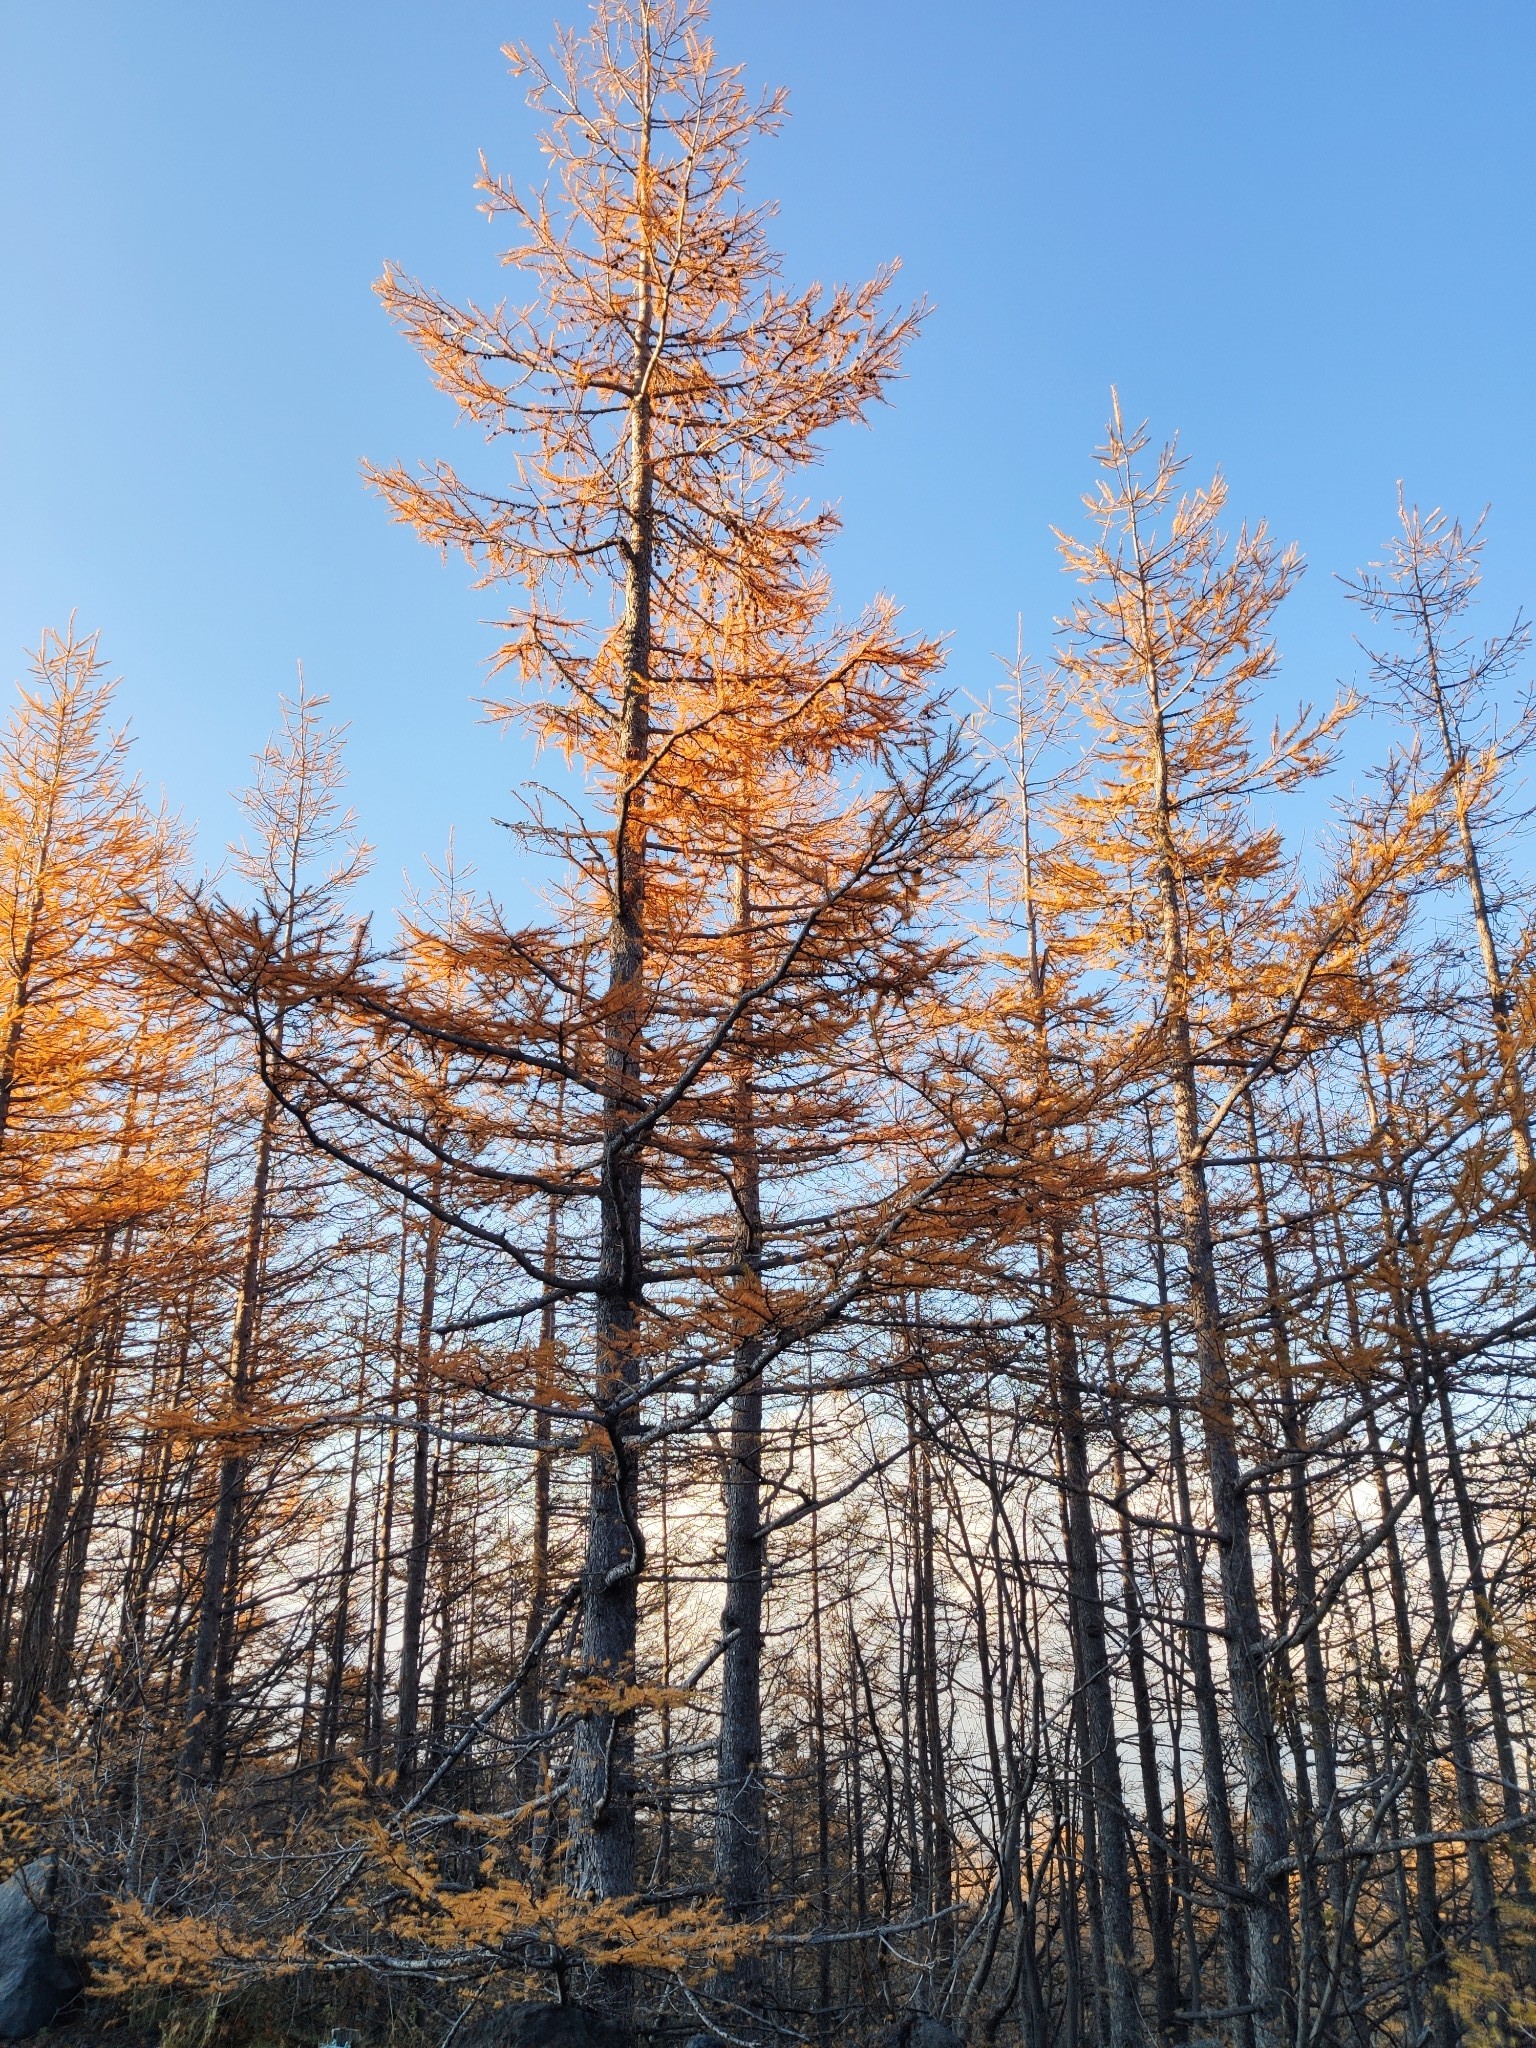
x,y
557,2026
919,2030
35,1980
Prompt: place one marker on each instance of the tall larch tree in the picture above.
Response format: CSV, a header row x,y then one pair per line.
x,y
1179,886
89,1061
1447,687
79,850
300,858
658,362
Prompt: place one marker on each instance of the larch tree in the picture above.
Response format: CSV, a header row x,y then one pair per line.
x,y
658,389
300,858
1047,1023
79,848
90,1053
655,1433
1178,887
1446,686
795,975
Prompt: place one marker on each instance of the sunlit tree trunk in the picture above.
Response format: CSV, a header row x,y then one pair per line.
x,y
602,1759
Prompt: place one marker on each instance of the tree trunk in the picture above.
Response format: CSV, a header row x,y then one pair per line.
x,y
1218,1802
1413,1314
1268,1820
1268,1815
1103,1787
740,1869
1427,1929
378,1660
418,1554
1159,1895
821,1780
1345,1960
1458,1735
36,1668
530,1699
602,1780
203,1740
329,1733
1431,1938
1483,1610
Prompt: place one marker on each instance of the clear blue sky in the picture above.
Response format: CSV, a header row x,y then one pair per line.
x,y
1300,234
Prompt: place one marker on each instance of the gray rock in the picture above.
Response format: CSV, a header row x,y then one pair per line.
x,y
557,2026
35,1980
918,2030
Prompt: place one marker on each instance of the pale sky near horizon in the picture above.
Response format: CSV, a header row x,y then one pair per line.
x,y
1300,235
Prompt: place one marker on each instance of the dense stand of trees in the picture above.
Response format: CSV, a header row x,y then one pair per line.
x,y
918,1399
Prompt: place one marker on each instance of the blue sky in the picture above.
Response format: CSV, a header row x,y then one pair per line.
x,y
1301,235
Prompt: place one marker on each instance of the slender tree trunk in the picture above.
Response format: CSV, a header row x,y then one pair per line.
x,y
35,1665
1427,1928
1268,1815
1184,1866
1483,1609
1431,1937
1082,1827
530,1699
1413,1313
602,1780
418,1554
447,1639
1310,1940
328,1735
379,1627
1218,1802
821,1779
1103,1787
203,1739
1159,1896
1324,1761
82,1522
153,1511
1458,1734
859,1871
740,1868
1268,1818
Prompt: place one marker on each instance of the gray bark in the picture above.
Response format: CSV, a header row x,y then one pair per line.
x,y
602,1784
1103,1785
